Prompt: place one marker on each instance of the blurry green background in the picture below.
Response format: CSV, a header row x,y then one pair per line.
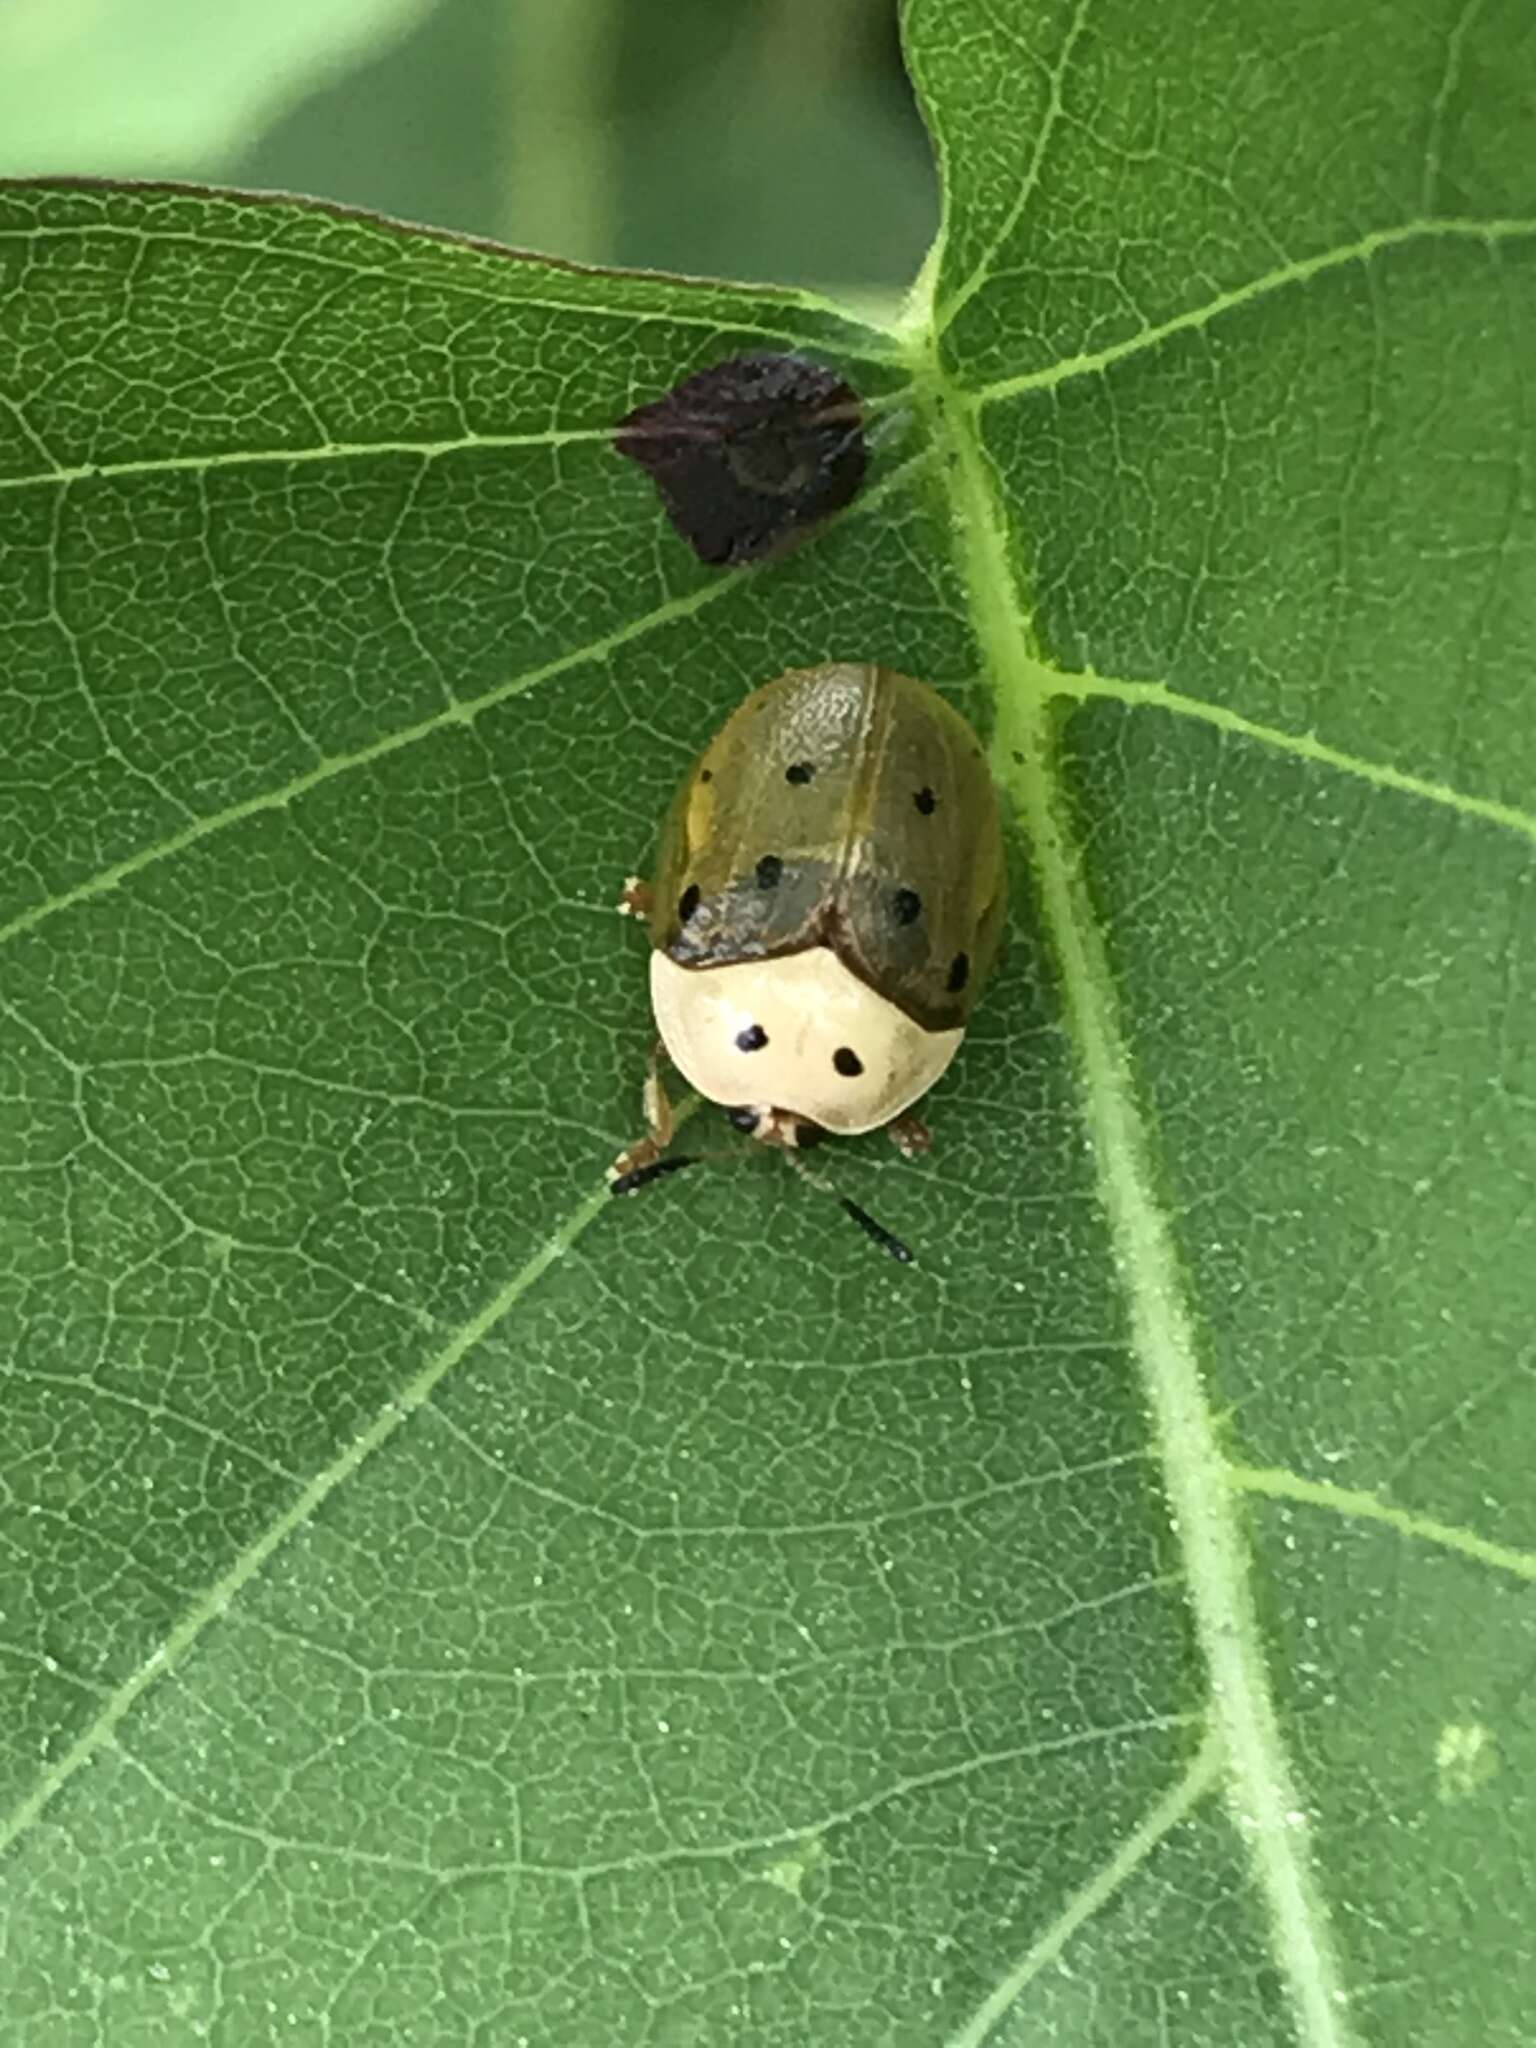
x,y
767,139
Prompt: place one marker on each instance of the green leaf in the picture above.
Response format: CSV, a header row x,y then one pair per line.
x,y
442,1604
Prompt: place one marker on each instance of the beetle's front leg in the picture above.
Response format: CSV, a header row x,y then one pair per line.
x,y
660,1124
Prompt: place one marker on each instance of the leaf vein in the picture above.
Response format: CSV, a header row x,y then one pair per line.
x,y
1357,1504
1091,1898
463,713
319,451
945,314
1301,271
204,1611
887,1795
1263,1800
1087,685
519,263
327,770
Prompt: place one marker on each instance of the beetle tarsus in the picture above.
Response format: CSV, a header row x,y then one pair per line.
x,y
910,1135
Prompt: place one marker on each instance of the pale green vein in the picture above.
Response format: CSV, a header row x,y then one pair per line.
x,y
1279,279
1087,685
1455,44
519,266
463,713
1090,1898
1356,1505
325,451
221,1595
1268,1812
944,314
965,1768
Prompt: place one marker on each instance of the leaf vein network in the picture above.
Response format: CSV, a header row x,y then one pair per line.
x,y
1301,271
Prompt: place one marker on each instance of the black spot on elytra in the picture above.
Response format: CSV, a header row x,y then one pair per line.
x,y
847,1062
959,973
769,869
925,801
688,902
799,772
706,775
906,906
752,1039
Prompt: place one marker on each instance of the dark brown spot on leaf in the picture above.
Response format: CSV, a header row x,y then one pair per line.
x,y
750,455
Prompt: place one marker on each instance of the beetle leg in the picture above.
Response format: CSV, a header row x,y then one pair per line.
x,y
659,1122
910,1135
779,1127
636,900
657,1103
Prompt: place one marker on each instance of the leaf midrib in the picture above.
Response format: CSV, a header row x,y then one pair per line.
x,y
1260,1790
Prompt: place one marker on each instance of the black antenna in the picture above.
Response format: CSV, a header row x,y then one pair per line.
x,y
887,1240
641,1176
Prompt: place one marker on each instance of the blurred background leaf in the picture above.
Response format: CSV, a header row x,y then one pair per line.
x,y
168,88
737,138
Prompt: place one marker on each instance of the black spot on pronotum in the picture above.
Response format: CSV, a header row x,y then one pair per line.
x,y
799,772
769,869
959,973
750,455
752,1038
688,902
925,801
847,1062
906,906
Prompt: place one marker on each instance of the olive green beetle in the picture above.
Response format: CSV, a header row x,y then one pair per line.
x,y
829,898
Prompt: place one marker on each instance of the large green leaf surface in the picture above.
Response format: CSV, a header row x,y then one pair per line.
x,y
443,1605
